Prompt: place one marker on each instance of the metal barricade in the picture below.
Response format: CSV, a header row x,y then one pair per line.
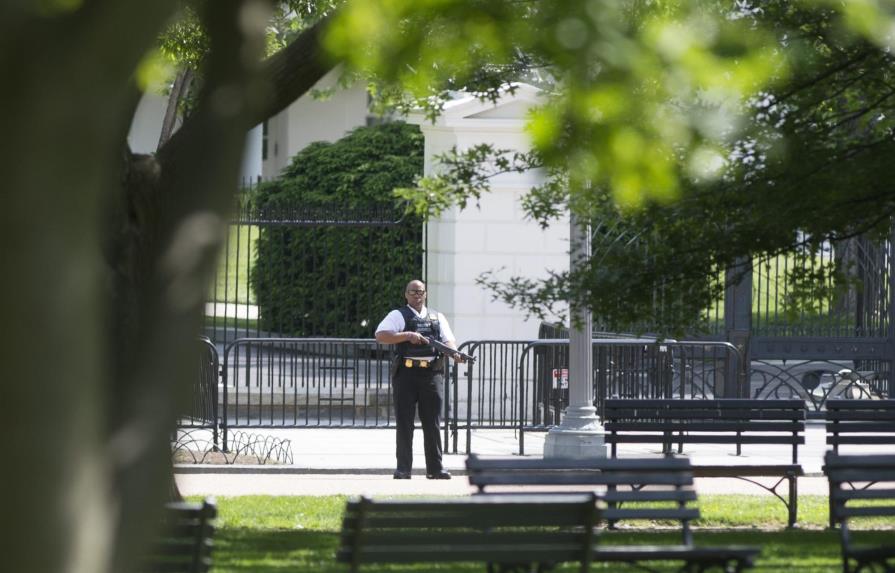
x,y
513,385
487,398
306,382
624,368
202,412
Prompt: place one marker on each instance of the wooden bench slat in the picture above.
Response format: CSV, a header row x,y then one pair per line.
x,y
863,494
703,426
851,461
743,403
704,415
868,511
472,537
641,495
660,552
865,474
511,510
862,427
861,404
577,478
703,439
870,440
873,553
485,520
766,470
475,462
185,532
671,514
173,550
452,504
859,415
440,553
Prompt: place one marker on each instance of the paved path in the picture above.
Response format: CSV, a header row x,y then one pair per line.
x,y
355,461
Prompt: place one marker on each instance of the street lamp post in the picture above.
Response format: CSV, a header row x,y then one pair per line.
x,y
580,434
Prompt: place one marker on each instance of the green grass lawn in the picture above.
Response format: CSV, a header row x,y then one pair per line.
x,y
250,324
264,534
237,260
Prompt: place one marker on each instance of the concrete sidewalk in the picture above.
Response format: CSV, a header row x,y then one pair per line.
x,y
361,461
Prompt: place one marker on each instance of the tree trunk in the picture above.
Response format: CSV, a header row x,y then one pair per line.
x,y
107,262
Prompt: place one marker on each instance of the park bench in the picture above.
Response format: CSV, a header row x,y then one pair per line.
x,y
852,496
185,540
650,489
860,422
734,421
510,533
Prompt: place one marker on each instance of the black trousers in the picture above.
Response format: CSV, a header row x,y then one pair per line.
x,y
423,387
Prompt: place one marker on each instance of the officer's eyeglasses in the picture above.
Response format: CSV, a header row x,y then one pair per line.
x,y
416,292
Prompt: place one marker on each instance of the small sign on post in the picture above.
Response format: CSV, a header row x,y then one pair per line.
x,y
561,378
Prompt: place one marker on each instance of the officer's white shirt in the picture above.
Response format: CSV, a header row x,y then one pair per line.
x,y
394,322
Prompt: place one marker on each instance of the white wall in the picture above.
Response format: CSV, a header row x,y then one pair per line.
x,y
309,119
146,125
465,244
251,157
306,120
492,236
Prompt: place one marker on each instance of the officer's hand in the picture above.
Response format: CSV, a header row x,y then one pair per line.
x,y
459,358
417,338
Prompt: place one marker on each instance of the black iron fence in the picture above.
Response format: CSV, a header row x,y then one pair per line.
x,y
816,381
301,383
516,385
521,386
324,270
484,395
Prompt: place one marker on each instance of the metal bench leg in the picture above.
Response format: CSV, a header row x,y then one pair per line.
x,y
793,500
830,506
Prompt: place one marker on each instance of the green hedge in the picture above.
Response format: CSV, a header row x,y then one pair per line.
x,y
332,280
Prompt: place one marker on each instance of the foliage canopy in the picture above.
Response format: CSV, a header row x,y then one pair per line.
x,y
696,136
316,280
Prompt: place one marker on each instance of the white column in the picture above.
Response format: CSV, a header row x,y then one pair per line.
x,y
580,434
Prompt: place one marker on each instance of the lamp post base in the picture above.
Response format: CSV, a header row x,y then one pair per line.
x,y
579,436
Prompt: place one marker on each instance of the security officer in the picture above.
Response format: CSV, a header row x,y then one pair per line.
x,y
419,378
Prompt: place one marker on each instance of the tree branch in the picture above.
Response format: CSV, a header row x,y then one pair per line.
x,y
284,77
178,91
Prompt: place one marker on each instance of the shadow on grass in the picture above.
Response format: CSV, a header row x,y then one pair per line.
x,y
267,551
279,551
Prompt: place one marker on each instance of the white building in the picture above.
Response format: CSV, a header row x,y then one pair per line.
x,y
310,119
461,245
270,146
494,236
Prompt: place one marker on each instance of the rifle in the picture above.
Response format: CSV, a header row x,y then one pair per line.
x,y
448,351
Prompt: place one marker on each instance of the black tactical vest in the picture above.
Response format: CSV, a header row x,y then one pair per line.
x,y
427,325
